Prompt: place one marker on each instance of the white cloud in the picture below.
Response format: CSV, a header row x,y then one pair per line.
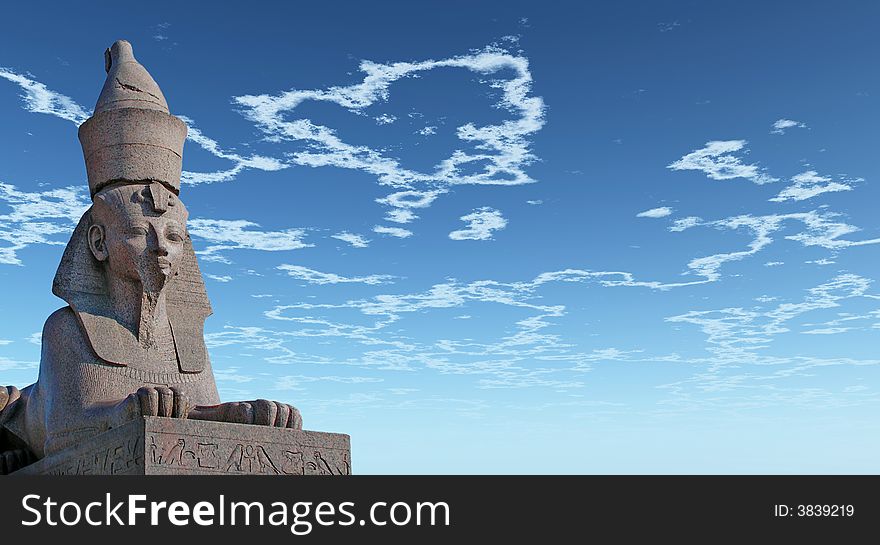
x,y
40,99
734,334
223,235
827,331
661,212
427,131
316,277
774,263
400,215
666,27
481,223
393,231
685,223
36,217
295,382
809,184
717,161
7,364
529,356
780,125
822,230
535,202
823,261
385,119
224,278
502,151
232,374
355,240
210,145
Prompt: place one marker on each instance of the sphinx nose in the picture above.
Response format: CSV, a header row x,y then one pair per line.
x,y
161,246
158,243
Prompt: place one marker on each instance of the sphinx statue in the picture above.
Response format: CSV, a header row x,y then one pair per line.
x,y
130,343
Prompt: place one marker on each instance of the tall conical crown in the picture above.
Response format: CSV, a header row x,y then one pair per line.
x,y
128,84
131,136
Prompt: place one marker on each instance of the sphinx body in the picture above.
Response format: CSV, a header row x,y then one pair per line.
x,y
125,346
130,342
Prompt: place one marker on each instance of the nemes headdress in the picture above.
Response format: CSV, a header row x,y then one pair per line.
x,y
131,138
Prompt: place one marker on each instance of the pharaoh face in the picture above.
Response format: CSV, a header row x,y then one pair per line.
x,y
139,231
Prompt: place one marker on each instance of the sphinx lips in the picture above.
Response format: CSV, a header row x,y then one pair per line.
x,y
164,265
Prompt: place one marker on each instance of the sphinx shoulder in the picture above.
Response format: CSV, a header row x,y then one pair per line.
x,y
61,325
63,334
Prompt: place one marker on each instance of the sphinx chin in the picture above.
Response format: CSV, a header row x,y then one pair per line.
x,y
156,276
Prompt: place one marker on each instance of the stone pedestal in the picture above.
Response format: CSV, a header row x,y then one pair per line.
x,y
171,446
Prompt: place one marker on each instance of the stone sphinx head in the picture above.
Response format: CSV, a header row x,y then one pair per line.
x,y
131,247
138,232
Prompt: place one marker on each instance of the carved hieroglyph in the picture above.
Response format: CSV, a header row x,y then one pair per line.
x,y
161,446
130,343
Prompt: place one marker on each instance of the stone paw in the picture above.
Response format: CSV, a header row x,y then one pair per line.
x,y
162,401
263,412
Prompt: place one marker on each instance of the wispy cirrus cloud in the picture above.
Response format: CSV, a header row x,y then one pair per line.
x,y
40,99
297,382
357,241
321,278
503,150
810,184
717,160
780,125
660,212
735,334
224,235
400,215
392,231
821,229
480,224
37,217
241,163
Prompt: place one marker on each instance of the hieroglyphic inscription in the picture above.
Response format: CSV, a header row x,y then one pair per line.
x,y
167,446
124,456
296,463
165,451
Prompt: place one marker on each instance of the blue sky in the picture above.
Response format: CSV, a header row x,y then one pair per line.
x,y
498,238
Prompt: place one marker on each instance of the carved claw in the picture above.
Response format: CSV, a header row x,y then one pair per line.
x,y
13,460
162,401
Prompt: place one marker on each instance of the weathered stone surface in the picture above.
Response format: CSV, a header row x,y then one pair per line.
x,y
133,144
131,342
170,446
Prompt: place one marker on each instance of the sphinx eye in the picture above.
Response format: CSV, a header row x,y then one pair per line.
x,y
138,231
174,236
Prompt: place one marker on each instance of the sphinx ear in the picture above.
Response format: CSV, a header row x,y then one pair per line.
x,y
98,242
